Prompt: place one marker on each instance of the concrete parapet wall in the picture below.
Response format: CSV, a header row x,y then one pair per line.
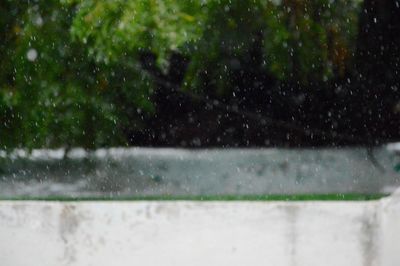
x,y
200,233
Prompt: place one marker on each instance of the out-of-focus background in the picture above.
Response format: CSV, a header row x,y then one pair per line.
x,y
210,73
200,100
317,80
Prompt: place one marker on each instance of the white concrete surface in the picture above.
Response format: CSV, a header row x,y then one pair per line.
x,y
390,229
181,233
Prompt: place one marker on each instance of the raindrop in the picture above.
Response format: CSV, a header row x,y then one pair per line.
x,y
32,55
39,21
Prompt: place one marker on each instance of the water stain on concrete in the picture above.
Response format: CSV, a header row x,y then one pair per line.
x,y
291,212
19,207
369,238
169,210
69,222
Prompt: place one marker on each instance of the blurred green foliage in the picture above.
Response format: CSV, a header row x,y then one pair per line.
x,y
308,39
70,72
52,94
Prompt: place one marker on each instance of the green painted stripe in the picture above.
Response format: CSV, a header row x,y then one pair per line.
x,y
301,197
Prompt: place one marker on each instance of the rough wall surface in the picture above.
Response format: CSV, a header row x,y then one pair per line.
x,y
200,233
390,229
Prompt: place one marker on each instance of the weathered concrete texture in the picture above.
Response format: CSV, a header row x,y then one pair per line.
x,y
200,233
390,224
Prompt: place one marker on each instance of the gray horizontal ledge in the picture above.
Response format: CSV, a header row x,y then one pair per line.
x,y
122,172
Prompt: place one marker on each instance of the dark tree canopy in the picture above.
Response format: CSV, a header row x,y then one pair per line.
x,y
199,73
